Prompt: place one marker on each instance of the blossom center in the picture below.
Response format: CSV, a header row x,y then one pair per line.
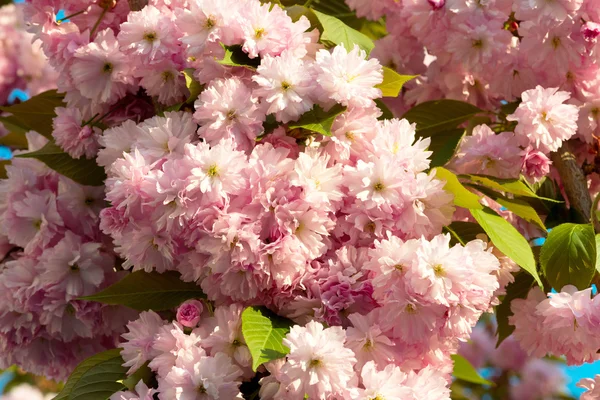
x,y
210,22
167,76
438,270
410,309
399,267
315,363
89,201
350,136
285,85
259,33
368,344
74,268
377,397
477,44
37,224
201,389
555,42
231,115
150,36
107,68
212,171
379,187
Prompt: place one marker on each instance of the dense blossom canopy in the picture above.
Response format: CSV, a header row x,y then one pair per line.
x,y
245,153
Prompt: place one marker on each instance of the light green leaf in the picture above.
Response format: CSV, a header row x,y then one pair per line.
x,y
569,256
143,290
236,57
440,115
96,378
598,253
507,239
83,171
393,82
465,371
336,32
514,186
462,197
36,113
264,333
522,209
192,84
515,290
317,120
444,145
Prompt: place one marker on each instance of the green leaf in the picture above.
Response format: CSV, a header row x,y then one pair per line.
x,y
317,120
386,112
465,371
462,197
568,256
463,232
14,125
444,145
264,333
37,113
96,378
440,115
236,57
143,373
393,82
82,170
507,239
338,33
143,290
515,290
522,209
3,164
15,140
514,186
598,253
192,84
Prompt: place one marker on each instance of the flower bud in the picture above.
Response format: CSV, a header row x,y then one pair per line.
x,y
188,314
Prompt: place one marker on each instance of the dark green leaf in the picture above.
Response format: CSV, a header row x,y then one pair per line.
x,y
143,373
386,112
444,145
14,125
462,196
143,290
515,290
393,82
82,170
464,232
465,371
336,32
236,57
96,378
507,239
14,140
3,164
568,256
37,113
264,333
193,86
317,120
440,115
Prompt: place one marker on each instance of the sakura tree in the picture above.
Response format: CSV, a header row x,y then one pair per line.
x,y
244,199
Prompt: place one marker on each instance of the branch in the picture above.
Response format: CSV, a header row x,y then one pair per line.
x,y
137,5
573,180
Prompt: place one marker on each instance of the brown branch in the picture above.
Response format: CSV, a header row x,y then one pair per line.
x,y
137,5
573,180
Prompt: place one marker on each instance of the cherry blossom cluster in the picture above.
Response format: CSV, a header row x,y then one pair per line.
x,y
538,378
206,354
592,386
23,64
25,391
564,323
52,253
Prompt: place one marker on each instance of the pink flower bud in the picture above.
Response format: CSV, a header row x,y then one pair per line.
x,y
590,31
437,4
536,164
188,314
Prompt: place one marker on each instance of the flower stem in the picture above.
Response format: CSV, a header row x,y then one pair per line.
x,y
72,15
97,24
